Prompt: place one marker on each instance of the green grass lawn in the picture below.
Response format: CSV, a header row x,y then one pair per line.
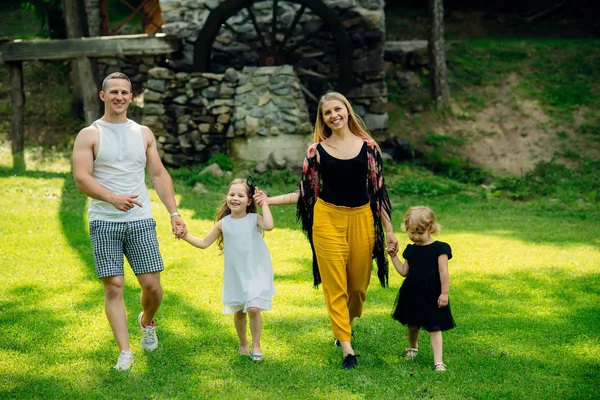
x,y
525,293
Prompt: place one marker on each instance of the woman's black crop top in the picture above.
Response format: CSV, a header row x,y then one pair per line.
x,y
344,181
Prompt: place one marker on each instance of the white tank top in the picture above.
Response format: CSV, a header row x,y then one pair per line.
x,y
120,168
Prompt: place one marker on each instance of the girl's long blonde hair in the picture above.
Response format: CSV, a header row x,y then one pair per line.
x,y
355,122
421,218
223,210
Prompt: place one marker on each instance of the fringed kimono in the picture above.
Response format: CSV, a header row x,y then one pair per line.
x,y
310,187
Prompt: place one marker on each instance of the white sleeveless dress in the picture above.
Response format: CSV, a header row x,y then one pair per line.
x,y
248,275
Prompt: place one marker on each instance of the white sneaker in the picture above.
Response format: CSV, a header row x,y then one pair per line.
x,y
440,367
149,341
125,361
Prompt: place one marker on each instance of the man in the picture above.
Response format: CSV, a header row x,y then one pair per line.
x,y
109,161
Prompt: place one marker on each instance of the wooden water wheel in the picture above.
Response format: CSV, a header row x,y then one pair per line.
x,y
303,33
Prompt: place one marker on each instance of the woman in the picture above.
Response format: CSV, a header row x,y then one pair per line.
x,y
343,206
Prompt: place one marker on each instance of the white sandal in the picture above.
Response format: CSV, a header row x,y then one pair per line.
x,y
440,367
410,353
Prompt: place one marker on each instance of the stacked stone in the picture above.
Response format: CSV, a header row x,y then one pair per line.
x,y
403,61
184,19
269,102
189,113
136,68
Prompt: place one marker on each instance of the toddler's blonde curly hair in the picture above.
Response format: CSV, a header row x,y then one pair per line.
x,y
421,218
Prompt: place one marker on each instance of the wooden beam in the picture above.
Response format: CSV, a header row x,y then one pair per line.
x,y
17,137
95,47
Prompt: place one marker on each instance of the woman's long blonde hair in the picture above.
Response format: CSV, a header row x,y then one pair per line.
x,y
223,210
355,122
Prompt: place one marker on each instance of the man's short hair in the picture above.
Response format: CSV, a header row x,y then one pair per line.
x,y
115,75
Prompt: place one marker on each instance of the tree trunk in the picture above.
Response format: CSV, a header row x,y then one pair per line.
x,y
437,54
17,137
94,18
83,78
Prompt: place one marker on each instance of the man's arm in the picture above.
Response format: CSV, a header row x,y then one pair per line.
x,y
83,166
162,182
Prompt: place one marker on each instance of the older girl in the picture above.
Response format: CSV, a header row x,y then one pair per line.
x,y
248,281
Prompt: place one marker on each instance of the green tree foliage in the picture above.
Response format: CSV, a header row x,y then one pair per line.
x,y
49,13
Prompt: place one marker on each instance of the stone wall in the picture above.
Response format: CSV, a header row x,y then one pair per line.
x,y
253,114
136,68
188,113
406,62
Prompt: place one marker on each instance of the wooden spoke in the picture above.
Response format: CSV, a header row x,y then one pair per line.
x,y
305,39
256,27
274,25
237,34
309,93
292,26
311,73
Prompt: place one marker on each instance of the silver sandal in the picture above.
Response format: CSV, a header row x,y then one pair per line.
x,y
410,353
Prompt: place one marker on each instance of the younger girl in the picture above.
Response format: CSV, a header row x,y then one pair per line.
x,y
423,297
248,281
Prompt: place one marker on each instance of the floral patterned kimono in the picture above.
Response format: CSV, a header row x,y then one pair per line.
x,y
310,187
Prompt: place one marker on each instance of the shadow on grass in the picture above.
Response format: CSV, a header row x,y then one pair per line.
x,y
72,214
8,172
26,320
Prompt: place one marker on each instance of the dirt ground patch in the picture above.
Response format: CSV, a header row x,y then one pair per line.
x,y
511,134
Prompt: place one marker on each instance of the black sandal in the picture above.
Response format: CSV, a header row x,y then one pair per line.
x,y
350,361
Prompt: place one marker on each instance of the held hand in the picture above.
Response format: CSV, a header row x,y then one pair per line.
x,y
391,251
442,300
391,243
178,227
260,197
125,202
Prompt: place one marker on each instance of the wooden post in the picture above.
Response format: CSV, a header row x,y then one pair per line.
x,y
89,90
18,116
83,67
437,54
105,30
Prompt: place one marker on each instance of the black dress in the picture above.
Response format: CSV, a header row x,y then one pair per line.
x,y
416,304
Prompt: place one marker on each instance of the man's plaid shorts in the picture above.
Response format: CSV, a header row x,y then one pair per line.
x,y
135,239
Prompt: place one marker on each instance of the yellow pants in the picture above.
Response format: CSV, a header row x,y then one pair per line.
x,y
343,238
